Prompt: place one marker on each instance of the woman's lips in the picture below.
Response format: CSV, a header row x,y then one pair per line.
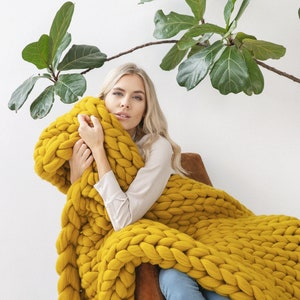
x,y
122,116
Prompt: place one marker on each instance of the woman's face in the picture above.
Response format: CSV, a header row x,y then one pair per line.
x,y
127,101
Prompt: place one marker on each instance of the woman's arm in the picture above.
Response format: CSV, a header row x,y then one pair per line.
x,y
127,207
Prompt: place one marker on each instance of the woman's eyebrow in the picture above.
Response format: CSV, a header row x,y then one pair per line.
x,y
123,90
139,91
118,89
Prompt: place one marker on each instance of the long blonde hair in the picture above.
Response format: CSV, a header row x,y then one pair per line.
x,y
154,122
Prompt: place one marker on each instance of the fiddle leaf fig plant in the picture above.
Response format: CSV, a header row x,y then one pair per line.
x,y
230,58
46,55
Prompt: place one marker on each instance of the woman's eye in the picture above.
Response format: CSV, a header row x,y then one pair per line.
x,y
117,94
138,98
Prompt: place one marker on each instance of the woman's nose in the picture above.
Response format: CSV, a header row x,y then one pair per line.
x,y
125,102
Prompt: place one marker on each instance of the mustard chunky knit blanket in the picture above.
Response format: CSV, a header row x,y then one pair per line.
x,y
192,227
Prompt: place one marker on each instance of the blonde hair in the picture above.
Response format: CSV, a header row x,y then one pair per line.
x,y
154,122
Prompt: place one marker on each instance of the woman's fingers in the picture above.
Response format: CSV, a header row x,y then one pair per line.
x,y
83,119
81,150
95,121
77,145
85,152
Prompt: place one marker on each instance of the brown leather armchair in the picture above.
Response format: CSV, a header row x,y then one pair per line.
x,y
147,287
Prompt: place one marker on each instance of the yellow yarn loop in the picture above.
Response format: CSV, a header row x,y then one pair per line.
x,y
192,227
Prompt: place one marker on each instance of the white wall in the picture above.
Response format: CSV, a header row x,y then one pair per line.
x,y
250,145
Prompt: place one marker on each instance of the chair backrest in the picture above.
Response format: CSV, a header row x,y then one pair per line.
x,y
192,162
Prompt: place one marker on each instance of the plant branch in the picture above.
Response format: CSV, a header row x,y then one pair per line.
x,y
142,46
281,73
134,49
284,74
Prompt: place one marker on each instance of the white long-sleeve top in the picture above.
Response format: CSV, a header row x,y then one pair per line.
x,y
127,207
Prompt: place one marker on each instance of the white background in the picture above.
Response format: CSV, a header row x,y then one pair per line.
x,y
250,145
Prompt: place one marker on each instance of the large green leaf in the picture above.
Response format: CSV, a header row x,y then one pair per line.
x,y
194,69
172,58
198,8
20,95
69,87
195,49
256,79
62,47
60,26
37,52
230,74
187,40
169,25
82,57
263,50
228,9
42,105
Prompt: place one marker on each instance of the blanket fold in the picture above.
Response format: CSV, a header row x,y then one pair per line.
x,y
193,227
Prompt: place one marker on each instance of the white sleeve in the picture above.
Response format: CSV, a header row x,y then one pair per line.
x,y
127,207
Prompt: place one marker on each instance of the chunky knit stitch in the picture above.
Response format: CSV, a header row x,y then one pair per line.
x,y
192,227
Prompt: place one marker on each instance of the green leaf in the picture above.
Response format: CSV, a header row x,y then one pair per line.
x,y
20,95
144,1
256,79
82,57
229,73
42,105
241,36
198,8
60,26
169,25
263,50
62,47
172,58
195,49
37,52
187,39
242,9
69,87
194,69
228,9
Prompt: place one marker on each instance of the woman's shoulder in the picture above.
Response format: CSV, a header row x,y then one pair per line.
x,y
163,142
158,141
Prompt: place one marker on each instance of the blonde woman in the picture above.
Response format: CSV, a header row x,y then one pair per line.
x,y
129,94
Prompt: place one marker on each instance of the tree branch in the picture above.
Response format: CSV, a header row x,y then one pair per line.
x,y
142,46
291,77
281,73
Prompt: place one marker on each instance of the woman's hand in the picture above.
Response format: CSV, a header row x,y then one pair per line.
x,y
81,159
90,130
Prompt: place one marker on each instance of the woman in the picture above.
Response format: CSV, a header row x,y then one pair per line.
x,y
130,95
